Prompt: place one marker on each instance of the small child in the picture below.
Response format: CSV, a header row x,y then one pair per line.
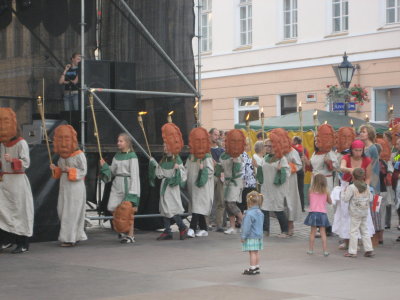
x,y
317,217
124,171
252,231
359,196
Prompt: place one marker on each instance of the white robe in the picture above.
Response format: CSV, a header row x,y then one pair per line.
x,y
16,201
201,197
293,197
319,166
232,191
72,200
170,202
274,195
123,170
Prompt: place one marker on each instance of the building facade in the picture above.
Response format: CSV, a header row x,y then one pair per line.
x,y
274,54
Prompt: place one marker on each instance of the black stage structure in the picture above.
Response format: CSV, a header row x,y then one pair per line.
x,y
136,56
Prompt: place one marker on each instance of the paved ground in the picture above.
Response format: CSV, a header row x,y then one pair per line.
x,y
200,268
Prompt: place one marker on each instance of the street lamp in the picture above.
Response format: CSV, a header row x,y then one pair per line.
x,y
345,74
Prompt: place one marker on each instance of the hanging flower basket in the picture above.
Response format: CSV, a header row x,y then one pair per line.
x,y
356,94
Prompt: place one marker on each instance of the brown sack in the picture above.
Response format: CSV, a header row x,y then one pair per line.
x,y
123,217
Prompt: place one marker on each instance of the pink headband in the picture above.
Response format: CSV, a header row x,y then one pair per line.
x,y
357,144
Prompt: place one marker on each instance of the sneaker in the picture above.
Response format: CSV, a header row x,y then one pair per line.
x,y
191,233
230,231
251,271
121,235
19,249
202,233
6,246
183,234
128,240
164,236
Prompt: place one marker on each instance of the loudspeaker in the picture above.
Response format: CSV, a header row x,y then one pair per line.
x,y
123,77
109,129
97,75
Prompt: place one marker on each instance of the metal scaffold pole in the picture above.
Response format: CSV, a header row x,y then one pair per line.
x,y
82,75
199,58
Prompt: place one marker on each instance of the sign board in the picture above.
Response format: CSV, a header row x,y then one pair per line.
x,y
311,98
339,106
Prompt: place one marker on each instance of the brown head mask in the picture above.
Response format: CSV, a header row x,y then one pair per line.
x,y
235,142
172,138
325,138
65,140
276,141
199,142
285,142
8,124
395,133
345,136
385,152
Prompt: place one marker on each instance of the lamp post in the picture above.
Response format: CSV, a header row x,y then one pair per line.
x,y
345,74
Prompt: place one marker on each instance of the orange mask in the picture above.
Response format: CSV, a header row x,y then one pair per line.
x,y
172,137
325,138
8,124
65,140
385,152
199,142
345,137
286,143
276,141
395,131
235,142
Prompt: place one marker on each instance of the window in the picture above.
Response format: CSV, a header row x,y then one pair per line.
x,y
245,19
392,11
206,25
245,106
340,15
384,99
288,104
290,19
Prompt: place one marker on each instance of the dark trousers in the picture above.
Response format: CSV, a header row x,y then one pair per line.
x,y
243,206
300,186
178,221
388,218
8,237
282,219
199,220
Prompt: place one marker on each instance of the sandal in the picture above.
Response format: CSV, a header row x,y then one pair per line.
x,y
343,246
250,271
369,254
347,254
67,244
128,240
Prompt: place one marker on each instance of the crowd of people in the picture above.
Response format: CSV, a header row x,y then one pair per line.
x,y
231,182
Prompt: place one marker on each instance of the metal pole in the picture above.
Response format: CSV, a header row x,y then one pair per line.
x,y
199,59
172,94
119,123
159,49
82,79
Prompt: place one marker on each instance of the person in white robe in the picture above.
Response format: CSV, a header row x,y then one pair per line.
x,y
124,171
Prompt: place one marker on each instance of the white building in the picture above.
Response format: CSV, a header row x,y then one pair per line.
x,y
273,54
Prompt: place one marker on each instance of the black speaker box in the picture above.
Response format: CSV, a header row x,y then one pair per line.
x,y
97,75
123,77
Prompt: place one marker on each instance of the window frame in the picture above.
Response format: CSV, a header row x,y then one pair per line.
x,y
238,108
281,106
396,9
248,20
341,16
292,12
208,14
